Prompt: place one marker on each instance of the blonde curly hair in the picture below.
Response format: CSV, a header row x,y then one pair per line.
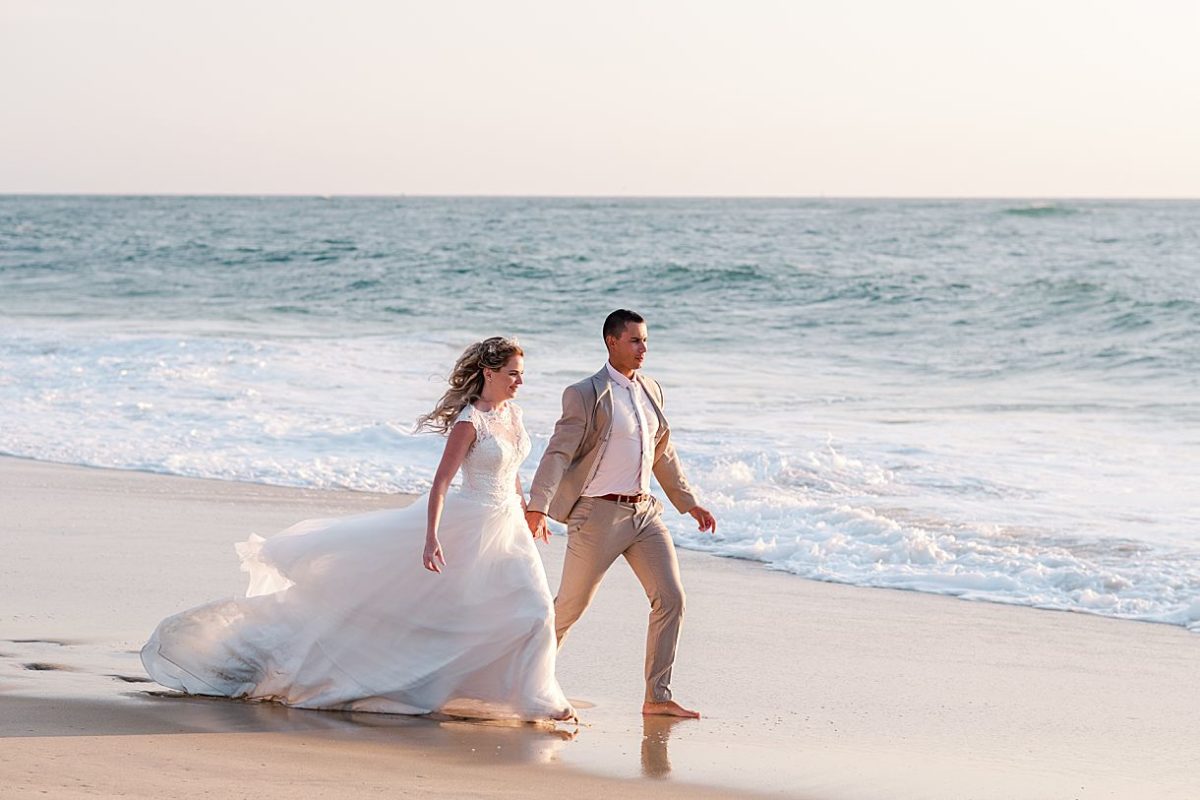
x,y
466,380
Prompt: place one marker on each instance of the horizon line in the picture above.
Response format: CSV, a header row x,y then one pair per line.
x,y
511,196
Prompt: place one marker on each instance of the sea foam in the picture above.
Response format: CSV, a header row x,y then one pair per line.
x,y
766,516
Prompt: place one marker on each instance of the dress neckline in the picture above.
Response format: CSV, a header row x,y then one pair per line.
x,y
493,411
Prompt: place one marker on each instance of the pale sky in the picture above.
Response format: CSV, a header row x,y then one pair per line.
x,y
952,98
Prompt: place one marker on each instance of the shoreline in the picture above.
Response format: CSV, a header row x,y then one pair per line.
x,y
810,689
348,497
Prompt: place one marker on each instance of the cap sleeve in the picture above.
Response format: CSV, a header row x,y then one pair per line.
x,y
468,414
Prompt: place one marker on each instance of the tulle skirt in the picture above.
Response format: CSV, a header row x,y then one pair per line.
x,y
341,614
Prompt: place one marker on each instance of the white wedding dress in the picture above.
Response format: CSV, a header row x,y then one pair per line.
x,y
341,614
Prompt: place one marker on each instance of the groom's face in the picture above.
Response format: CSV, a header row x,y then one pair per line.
x,y
628,351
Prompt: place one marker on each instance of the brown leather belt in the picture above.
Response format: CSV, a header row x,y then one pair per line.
x,y
624,498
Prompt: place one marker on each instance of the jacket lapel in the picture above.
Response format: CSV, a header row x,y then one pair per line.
x,y
602,416
602,413
662,418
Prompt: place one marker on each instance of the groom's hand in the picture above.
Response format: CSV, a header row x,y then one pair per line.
x,y
704,519
536,521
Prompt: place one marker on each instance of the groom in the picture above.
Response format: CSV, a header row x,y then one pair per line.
x,y
595,477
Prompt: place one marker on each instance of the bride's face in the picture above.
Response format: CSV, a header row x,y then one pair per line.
x,y
505,381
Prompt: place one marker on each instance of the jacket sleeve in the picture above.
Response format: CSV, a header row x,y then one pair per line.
x,y
669,472
560,451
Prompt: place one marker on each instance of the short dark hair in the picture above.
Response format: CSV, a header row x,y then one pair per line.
x,y
614,323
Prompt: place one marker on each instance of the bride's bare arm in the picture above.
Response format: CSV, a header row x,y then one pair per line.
x,y
520,492
458,443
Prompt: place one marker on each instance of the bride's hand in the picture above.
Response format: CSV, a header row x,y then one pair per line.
x,y
536,521
433,555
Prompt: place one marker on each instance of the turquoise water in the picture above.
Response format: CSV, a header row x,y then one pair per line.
x,y
992,399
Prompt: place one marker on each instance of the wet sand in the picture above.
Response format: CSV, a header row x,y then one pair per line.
x,y
809,690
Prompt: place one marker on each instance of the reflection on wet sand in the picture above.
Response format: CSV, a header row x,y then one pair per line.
x,y
656,732
170,713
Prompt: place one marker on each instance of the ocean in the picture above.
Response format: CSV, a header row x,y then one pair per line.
x,y
992,399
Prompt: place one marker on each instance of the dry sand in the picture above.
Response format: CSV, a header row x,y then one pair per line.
x,y
809,690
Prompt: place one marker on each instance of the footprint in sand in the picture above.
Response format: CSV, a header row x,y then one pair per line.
x,y
43,666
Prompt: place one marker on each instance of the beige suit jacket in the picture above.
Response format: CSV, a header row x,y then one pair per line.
x,y
574,451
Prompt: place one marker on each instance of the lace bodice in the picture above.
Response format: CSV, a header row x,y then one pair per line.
x,y
501,445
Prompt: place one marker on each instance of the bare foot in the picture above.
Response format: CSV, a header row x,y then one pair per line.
x,y
568,715
669,709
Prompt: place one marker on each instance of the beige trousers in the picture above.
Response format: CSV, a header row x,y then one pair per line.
x,y
597,532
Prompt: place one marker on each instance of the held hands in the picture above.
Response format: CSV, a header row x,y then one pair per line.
x,y
704,518
433,555
536,521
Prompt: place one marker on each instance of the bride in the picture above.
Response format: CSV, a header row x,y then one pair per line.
x,y
341,615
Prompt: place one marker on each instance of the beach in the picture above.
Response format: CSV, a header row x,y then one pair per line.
x,y
809,689
922,341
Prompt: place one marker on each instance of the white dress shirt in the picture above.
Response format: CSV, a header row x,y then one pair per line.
x,y
626,462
